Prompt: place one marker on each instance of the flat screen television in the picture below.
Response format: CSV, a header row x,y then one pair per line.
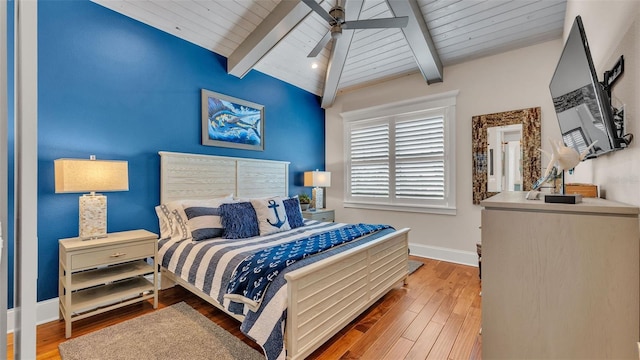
x,y
582,103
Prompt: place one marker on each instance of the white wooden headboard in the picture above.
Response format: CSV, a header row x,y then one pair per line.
x,y
197,176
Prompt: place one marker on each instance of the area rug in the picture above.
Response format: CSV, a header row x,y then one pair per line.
x,y
414,265
176,332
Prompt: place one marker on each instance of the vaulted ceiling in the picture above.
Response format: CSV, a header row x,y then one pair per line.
x,y
275,37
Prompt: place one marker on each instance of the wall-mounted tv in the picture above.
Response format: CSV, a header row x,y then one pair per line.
x,y
582,103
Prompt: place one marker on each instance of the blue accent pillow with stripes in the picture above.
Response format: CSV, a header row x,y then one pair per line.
x,y
204,220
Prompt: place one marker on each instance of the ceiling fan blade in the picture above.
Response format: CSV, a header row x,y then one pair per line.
x,y
321,44
319,9
397,22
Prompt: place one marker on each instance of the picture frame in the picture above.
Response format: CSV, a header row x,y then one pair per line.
x,y
231,122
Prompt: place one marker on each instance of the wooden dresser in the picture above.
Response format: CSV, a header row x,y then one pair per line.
x,y
559,280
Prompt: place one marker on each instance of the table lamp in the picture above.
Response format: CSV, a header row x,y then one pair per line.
x,y
319,180
91,175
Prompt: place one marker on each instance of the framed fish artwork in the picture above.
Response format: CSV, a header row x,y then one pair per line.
x,y
231,122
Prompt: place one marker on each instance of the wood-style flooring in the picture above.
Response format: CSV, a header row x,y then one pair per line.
x,y
435,316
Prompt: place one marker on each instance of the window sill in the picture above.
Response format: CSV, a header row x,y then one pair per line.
x,y
440,210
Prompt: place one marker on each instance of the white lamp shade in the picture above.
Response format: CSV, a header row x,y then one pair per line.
x,y
84,175
317,178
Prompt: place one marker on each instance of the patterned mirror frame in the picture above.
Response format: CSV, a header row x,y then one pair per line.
x,y
531,144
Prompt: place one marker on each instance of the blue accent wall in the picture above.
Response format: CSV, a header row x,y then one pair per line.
x,y
116,88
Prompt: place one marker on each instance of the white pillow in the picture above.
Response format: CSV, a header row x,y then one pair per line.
x,y
172,220
272,216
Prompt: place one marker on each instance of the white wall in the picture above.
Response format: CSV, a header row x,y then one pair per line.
x,y
510,81
613,29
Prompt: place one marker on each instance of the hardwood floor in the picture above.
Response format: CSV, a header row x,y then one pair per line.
x,y
435,316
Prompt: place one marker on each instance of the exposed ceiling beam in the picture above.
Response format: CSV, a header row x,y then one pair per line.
x,y
286,15
339,52
419,39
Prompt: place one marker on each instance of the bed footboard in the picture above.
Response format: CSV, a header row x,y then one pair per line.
x,y
325,296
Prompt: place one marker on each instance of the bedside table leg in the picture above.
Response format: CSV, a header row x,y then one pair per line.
x,y
156,279
67,300
60,288
155,285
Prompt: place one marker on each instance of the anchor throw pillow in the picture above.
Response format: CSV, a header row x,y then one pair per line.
x,y
272,216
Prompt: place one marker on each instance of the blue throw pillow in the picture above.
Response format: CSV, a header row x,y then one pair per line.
x,y
292,208
239,220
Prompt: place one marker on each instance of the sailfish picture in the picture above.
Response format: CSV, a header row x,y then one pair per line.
x,y
232,122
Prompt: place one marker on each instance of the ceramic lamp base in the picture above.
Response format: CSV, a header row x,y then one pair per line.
x,y
93,216
317,198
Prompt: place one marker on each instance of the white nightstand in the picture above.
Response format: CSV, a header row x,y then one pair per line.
x,y
104,274
326,215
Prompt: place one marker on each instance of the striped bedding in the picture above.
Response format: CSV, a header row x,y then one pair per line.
x,y
209,265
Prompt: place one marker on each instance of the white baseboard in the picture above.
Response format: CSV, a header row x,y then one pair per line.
x,y
439,253
46,311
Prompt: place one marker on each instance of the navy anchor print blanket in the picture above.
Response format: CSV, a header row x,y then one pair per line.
x,y
254,274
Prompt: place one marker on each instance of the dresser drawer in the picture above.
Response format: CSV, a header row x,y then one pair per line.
x,y
112,254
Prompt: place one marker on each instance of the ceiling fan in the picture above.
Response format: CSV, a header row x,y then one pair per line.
x,y
336,19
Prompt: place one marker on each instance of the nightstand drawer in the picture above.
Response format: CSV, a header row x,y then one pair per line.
x,y
111,254
324,215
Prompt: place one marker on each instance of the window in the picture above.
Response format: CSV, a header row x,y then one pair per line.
x,y
402,156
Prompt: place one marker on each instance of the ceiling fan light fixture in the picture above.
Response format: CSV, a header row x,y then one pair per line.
x,y
336,31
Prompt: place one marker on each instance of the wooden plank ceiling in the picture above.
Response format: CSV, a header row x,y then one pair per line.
x,y
461,30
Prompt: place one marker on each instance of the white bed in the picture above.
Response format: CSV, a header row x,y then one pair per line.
x,y
382,262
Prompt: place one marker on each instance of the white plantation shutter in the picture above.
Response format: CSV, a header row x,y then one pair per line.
x,y
402,157
419,163
370,161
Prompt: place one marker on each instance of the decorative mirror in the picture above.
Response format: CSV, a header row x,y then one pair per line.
x,y
505,152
